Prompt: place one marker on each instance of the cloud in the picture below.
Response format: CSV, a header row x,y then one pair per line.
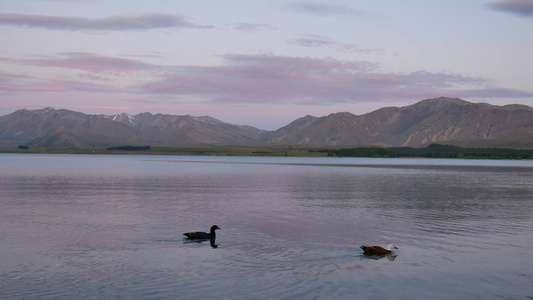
x,y
252,79
322,9
316,41
115,23
282,79
11,82
311,41
256,78
93,77
81,61
11,88
57,85
70,1
117,108
87,62
249,27
9,76
523,8
496,93
148,55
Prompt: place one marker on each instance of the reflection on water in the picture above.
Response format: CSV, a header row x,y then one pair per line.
x,y
111,227
212,242
388,256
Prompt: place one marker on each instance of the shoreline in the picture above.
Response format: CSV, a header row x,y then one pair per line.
x,y
432,151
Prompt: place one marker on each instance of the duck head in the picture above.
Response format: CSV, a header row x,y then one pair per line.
x,y
391,247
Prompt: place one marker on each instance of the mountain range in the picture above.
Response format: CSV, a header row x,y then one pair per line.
x,y
449,121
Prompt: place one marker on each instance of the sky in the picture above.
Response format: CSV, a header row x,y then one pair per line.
x,y
261,63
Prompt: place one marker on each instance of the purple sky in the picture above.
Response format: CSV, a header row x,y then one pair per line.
x,y
261,63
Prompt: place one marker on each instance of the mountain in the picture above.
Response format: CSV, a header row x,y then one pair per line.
x,y
443,120
188,130
64,128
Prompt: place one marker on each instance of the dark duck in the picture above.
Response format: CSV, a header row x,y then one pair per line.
x,y
199,235
377,250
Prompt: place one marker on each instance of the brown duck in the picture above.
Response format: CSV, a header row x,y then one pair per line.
x,y
377,250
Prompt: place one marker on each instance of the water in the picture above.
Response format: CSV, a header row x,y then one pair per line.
x,y
110,227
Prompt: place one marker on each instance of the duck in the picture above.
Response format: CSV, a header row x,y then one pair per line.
x,y
199,235
377,250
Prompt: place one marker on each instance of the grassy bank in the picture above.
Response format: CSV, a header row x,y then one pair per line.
x,y
299,151
432,151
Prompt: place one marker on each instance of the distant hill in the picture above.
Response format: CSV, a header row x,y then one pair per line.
x,y
64,128
444,120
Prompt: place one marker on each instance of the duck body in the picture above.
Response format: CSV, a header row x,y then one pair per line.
x,y
199,235
378,250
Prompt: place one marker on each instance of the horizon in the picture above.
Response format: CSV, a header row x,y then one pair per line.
x,y
224,121
262,64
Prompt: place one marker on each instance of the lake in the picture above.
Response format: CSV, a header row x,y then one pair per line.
x,y
110,227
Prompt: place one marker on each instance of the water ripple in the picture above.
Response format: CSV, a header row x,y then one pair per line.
x,y
289,230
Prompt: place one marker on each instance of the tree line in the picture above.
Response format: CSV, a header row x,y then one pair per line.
x,y
432,151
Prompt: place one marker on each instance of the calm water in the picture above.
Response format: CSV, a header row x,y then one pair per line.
x,y
105,227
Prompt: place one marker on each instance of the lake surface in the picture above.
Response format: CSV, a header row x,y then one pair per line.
x,y
110,227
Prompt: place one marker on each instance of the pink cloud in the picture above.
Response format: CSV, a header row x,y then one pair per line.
x,y
24,83
172,108
117,108
93,77
29,89
143,22
84,86
253,79
13,76
86,61
33,84
281,79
